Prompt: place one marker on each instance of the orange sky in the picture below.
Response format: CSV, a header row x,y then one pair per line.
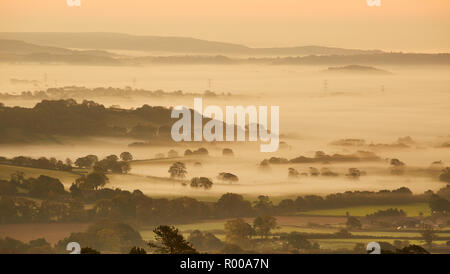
x,y
397,25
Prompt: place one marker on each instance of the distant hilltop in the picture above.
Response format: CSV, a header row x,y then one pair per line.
x,y
18,51
180,45
357,69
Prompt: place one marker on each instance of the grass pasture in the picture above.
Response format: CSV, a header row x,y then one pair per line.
x,y
411,210
67,178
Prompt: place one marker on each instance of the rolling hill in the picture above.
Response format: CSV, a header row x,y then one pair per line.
x,y
184,45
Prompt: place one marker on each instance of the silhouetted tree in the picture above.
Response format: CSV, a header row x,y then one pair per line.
x,y
445,176
229,177
293,173
232,205
438,204
227,152
353,223
397,167
237,231
428,235
298,241
177,170
92,181
137,250
169,241
86,162
263,205
201,182
412,249
263,224
126,156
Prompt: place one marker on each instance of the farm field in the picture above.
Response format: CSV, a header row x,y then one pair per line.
x,y
411,210
350,243
66,178
289,224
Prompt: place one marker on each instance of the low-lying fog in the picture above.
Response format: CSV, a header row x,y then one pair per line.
x,y
315,109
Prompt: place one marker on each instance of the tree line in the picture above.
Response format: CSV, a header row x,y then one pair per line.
x,y
61,205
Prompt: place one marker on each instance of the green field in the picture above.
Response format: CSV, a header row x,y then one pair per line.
x,y
66,178
411,210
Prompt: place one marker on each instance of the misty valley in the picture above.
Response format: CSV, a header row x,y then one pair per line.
x,y
333,148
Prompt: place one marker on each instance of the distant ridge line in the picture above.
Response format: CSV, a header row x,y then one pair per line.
x,y
172,44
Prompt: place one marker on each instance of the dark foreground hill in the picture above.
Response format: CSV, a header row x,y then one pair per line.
x,y
49,119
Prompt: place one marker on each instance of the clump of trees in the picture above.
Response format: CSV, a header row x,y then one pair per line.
x,y
137,250
51,118
293,173
445,175
201,182
321,157
92,181
327,172
412,249
87,161
429,236
43,187
263,205
89,250
42,162
178,170
353,223
199,152
275,160
355,173
238,232
228,177
313,171
298,241
21,210
59,205
126,156
231,205
169,241
263,225
444,192
397,167
112,164
439,205
390,212
227,152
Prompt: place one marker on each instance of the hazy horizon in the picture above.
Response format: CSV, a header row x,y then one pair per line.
x,y
397,26
96,158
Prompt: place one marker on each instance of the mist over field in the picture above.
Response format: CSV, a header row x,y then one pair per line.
x,y
88,155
